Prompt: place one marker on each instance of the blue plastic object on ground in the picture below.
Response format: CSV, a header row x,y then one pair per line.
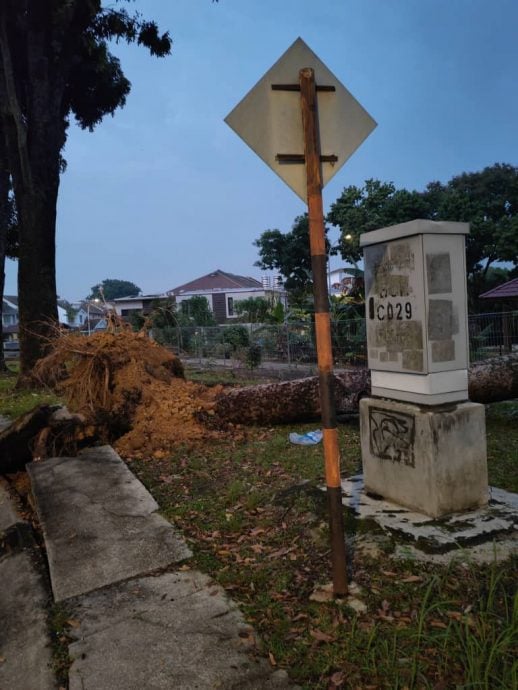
x,y
311,438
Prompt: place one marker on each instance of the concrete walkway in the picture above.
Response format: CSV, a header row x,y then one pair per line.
x,y
141,618
25,656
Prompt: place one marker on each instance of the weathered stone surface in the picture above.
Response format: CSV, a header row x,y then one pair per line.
x,y
99,522
177,630
481,535
24,643
430,459
8,515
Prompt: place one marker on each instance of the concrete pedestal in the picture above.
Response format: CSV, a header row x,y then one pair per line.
x,y
430,459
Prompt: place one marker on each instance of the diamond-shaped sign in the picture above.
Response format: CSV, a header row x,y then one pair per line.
x,y
270,121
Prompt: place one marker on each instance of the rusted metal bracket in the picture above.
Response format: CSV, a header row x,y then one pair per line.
x,y
296,87
301,158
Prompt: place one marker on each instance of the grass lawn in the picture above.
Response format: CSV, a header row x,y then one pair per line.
x,y
257,522
14,403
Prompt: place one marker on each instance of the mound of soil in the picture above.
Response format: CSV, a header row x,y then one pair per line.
x,y
132,389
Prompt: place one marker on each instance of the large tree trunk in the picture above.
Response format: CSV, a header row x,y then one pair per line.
x,y
37,299
34,164
290,401
494,379
294,401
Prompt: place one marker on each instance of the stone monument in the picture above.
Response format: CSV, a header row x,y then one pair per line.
x,y
423,442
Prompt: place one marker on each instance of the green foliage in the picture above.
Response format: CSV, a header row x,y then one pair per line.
x,y
236,336
375,205
197,311
253,309
163,313
112,288
488,200
253,356
15,402
277,314
289,253
137,320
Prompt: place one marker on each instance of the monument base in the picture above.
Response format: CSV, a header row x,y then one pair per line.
x,y
432,460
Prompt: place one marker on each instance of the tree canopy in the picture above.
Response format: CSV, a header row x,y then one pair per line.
x,y
289,254
55,63
112,288
488,200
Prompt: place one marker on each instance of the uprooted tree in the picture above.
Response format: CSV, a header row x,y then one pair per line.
x,y
123,389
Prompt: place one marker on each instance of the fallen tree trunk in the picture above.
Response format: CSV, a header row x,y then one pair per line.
x,y
55,431
295,401
493,380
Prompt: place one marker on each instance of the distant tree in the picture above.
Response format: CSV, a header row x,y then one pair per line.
x,y
488,200
111,288
197,311
55,62
289,253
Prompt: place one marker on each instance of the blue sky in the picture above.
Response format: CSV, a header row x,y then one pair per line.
x,y
165,192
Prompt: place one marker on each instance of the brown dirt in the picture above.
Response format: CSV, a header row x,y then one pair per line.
x,y
132,389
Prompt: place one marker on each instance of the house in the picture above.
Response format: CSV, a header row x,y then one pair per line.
x,y
10,317
90,316
506,293
125,307
342,281
222,290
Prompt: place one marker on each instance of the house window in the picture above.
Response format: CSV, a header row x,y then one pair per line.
x,y
230,302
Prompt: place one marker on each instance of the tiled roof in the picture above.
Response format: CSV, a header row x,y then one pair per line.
x,y
217,280
507,290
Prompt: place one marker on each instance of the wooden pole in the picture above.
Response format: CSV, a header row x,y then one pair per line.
x,y
308,102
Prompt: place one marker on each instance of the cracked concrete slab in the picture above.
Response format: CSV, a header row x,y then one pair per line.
x,y
176,630
481,535
25,653
99,522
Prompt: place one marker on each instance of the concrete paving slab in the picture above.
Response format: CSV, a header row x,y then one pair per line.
x,y
176,630
99,522
8,515
25,653
474,532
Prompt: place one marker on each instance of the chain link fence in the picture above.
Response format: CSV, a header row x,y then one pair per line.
x,y
292,344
